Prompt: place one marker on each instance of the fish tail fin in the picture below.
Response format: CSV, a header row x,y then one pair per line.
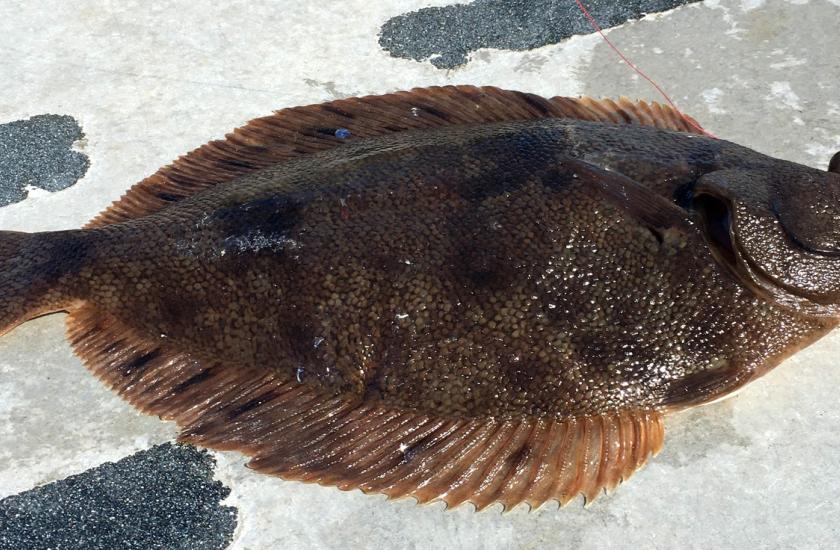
x,y
33,269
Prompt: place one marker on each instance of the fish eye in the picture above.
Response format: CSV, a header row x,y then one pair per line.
x,y
834,163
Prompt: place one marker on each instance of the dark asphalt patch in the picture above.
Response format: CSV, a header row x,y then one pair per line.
x,y
161,498
446,35
37,152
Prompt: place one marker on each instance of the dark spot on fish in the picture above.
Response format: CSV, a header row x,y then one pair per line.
x,y
539,104
269,217
419,446
93,329
483,277
114,347
239,163
174,306
517,459
518,372
480,189
300,338
340,133
591,347
482,268
698,162
193,380
67,251
330,108
38,152
252,404
656,233
435,112
139,363
505,174
446,35
684,195
627,118
373,391
168,197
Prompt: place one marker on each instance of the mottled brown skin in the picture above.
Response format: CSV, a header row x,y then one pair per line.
x,y
470,271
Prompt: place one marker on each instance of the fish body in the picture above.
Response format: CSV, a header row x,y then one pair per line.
x,y
513,294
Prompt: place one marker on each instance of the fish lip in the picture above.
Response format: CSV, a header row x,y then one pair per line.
x,y
721,237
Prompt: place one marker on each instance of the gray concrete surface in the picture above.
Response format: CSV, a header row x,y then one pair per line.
x,y
161,498
147,81
38,152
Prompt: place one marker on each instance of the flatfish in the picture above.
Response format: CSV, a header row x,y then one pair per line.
x,y
458,293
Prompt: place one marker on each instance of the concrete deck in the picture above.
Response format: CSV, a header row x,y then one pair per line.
x,y
148,81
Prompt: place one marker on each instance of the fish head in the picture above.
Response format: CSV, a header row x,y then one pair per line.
x,y
777,230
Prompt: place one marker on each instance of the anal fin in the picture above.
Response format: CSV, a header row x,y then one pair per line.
x,y
294,432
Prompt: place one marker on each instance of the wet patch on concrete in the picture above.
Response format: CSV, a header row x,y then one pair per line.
x,y
164,497
699,431
39,152
445,36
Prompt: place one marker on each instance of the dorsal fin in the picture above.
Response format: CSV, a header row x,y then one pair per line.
x,y
298,131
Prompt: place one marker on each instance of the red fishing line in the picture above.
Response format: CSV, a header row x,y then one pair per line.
x,y
637,69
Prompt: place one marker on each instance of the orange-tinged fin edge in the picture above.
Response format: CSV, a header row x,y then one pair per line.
x,y
291,431
298,131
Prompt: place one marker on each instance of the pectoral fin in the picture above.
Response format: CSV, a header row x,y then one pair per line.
x,y
648,207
